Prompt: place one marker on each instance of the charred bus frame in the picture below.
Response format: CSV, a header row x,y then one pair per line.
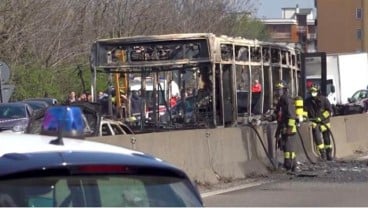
x,y
219,70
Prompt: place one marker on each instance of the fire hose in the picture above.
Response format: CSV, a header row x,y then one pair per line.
x,y
303,145
252,125
267,117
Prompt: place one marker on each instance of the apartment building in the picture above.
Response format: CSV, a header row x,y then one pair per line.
x,y
296,25
342,26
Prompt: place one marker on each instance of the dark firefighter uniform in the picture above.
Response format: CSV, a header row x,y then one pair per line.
x,y
319,111
286,120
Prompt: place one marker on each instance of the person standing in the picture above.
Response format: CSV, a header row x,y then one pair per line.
x,y
71,98
286,124
173,100
319,111
101,95
256,95
135,103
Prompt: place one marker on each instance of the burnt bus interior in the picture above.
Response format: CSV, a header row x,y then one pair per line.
x,y
211,77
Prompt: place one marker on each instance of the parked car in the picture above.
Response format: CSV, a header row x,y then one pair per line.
x,y
358,96
358,103
53,171
111,127
14,116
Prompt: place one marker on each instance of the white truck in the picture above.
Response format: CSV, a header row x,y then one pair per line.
x,y
346,74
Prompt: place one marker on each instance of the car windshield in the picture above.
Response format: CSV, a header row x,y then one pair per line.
x,y
12,112
98,191
361,94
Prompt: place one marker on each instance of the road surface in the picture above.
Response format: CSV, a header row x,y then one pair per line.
x,y
340,183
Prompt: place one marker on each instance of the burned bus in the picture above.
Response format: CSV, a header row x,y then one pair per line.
x,y
214,75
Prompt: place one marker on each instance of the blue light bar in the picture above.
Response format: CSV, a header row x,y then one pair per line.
x,y
67,120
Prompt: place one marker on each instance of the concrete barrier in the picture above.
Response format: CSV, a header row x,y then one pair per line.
x,y
306,151
207,155
213,155
350,134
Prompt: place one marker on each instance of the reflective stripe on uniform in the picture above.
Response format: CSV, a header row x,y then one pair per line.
x,y
305,114
326,114
291,122
299,111
321,146
328,146
292,125
323,128
289,155
293,129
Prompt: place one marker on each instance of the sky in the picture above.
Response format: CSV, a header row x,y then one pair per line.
x,y
272,8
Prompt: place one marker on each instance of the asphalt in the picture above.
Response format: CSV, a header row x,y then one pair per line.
x,y
353,169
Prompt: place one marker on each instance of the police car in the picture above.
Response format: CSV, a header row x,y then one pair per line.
x,y
52,170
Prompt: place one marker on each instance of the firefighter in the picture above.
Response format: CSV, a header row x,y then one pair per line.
x,y
319,112
286,120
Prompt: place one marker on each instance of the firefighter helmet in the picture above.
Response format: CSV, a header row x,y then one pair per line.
x,y
281,85
314,88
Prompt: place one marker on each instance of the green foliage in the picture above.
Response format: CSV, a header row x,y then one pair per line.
x,y
249,28
258,30
27,79
35,81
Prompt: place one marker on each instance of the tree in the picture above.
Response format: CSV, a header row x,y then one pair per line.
x,y
48,38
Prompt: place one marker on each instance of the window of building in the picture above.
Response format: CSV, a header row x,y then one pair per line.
x,y
358,13
359,34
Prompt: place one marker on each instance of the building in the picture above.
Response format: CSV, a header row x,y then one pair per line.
x,y
297,25
342,26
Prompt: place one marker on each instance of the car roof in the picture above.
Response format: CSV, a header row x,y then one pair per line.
x,y
32,143
35,101
14,104
25,152
50,101
110,120
17,104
